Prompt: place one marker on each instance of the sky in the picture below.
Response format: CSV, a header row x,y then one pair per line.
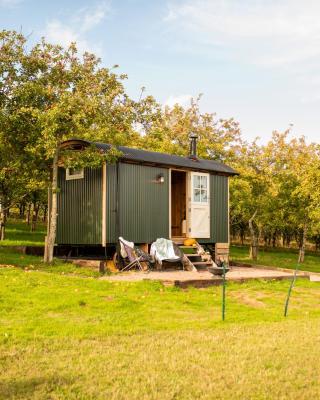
x,y
257,61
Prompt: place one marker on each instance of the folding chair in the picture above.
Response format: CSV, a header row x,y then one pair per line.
x,y
132,256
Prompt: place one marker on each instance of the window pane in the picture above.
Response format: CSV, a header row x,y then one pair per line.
x,y
196,181
204,196
73,171
196,195
204,182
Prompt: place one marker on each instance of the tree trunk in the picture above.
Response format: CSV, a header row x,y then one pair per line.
x,y
28,214
35,213
302,244
242,235
254,238
274,239
45,210
52,224
21,210
3,220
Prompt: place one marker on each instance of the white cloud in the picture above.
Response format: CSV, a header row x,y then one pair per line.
x,y
89,18
10,3
75,29
310,98
270,33
183,99
57,32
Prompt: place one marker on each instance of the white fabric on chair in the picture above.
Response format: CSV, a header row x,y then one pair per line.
x,y
122,249
162,249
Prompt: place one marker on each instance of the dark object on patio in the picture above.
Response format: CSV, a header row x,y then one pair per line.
x,y
129,256
215,270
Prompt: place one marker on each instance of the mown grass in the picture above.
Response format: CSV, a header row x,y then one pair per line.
x,y
18,234
65,337
10,257
280,258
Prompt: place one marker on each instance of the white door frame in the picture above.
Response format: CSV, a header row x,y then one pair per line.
x,y
192,204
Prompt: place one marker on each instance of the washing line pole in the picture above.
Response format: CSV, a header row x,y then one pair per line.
x,y
223,291
293,280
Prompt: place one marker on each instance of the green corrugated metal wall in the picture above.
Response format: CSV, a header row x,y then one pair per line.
x,y
219,209
219,218
111,188
79,208
144,205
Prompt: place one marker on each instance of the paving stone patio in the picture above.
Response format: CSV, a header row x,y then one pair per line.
x,y
201,278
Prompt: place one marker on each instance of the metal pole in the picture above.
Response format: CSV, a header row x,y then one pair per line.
x,y
293,280
223,291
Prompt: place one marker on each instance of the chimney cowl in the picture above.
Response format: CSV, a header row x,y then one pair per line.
x,y
193,146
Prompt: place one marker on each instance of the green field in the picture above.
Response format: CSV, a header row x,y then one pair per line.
x,y
277,257
66,337
68,333
18,234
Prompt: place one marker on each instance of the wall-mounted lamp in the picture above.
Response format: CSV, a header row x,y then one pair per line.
x,y
160,178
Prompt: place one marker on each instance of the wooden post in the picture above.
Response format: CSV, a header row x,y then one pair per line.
x,y
102,267
222,252
144,247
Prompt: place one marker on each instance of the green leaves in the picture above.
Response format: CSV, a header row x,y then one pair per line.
x,y
89,157
281,179
49,94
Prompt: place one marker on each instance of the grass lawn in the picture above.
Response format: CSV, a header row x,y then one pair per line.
x,y
281,258
18,234
64,334
9,257
66,337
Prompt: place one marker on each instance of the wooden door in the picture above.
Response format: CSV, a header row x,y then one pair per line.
x,y
199,205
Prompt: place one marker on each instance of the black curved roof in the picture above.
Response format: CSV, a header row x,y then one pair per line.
x,y
130,154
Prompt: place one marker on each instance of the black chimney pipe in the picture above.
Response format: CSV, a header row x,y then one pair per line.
x,y
193,146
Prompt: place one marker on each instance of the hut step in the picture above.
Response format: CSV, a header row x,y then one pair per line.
x,y
201,263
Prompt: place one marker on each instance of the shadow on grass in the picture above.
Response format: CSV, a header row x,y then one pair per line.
x,y
10,257
26,387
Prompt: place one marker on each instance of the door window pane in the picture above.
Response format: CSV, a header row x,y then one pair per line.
x,y
200,188
196,195
204,196
204,182
196,182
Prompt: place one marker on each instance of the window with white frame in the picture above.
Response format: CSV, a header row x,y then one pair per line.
x,y
74,173
200,189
